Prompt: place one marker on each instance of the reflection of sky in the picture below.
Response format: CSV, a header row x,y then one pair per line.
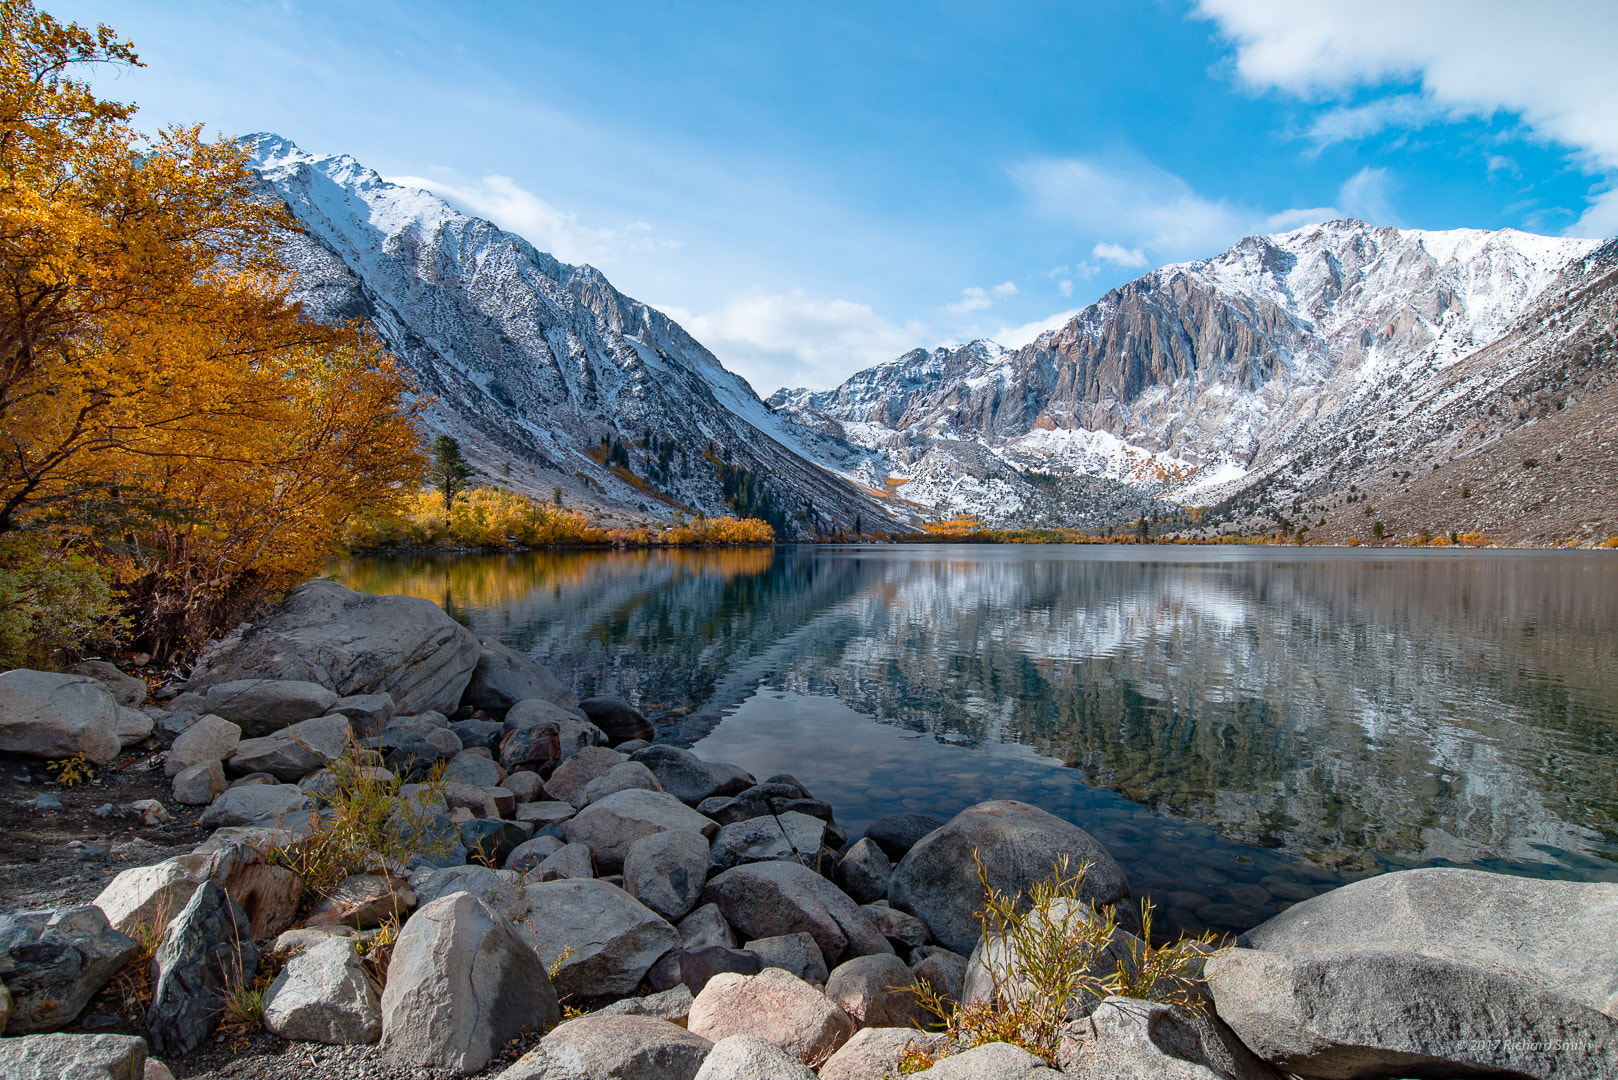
x,y
1425,707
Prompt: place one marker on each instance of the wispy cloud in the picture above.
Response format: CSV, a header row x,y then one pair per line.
x,y
973,298
797,338
1368,194
1120,255
1015,337
502,200
1348,123
1549,63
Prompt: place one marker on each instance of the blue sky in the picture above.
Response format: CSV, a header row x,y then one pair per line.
x,y
815,187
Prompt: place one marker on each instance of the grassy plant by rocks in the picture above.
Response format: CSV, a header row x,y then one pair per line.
x,y
366,824
1047,961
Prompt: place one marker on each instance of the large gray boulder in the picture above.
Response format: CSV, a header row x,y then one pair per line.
x,y
295,750
461,984
613,824
991,1061
50,715
262,706
771,898
666,871
53,962
746,1057
73,1057
147,897
367,714
324,995
255,804
210,738
614,938
134,726
502,890
573,775
877,991
775,1006
937,880
1131,1039
127,690
689,778
789,837
504,677
864,871
207,949
613,1048
872,1054
1431,972
628,776
798,953
353,643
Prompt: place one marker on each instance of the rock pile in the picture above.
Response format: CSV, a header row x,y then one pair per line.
x,y
715,925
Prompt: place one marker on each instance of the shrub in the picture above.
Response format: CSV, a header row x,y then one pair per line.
x,y
50,600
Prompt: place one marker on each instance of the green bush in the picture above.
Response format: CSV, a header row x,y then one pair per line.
x,y
50,600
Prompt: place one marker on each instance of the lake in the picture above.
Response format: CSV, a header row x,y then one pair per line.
x,y
1241,727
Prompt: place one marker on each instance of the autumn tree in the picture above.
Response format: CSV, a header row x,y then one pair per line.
x,y
162,403
449,471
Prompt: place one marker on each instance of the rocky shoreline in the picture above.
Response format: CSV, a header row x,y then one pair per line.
x,y
555,897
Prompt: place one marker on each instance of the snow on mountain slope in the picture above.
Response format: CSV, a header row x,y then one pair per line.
x,y
1197,376
538,366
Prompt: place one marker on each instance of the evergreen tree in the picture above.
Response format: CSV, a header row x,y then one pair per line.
x,y
449,471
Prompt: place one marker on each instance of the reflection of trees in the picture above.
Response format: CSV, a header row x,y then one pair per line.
x,y
1426,708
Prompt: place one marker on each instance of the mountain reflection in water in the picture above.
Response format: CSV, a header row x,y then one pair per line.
x,y
1284,715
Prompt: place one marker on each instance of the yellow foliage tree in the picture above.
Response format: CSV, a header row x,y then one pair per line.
x,y
161,399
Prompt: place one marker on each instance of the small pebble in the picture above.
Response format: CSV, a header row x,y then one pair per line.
x,y
105,810
47,801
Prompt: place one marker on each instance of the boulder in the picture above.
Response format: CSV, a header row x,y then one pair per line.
x,y
524,785
476,799
490,840
474,769
568,862
689,778
367,714
777,795
264,706
877,991
937,881
461,984
872,1054
666,871
353,643
864,870
535,711
209,738
133,727
692,968
614,937
627,776
706,926
573,775
1131,1039
527,855
324,995
54,962
295,750
127,690
74,1057
744,1057
1438,971
206,949
617,719
991,1061
671,1005
797,953
905,931
541,814
613,824
943,971
413,751
200,784
364,901
501,890
147,897
775,1006
536,748
50,715
504,677
791,837
260,804
896,834
770,898
613,1048
479,734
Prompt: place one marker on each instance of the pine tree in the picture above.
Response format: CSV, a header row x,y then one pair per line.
x,y
449,471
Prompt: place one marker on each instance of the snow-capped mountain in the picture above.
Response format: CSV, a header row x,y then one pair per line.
x,y
1197,379
541,368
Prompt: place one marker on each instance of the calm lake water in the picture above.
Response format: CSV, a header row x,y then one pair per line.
x,y
1241,727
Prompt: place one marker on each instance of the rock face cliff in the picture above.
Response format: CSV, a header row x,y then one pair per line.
x,y
540,368
1280,371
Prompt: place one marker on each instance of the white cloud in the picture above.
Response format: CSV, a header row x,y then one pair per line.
x,y
514,208
1549,63
1005,288
1147,212
1015,337
797,339
1065,287
1367,195
972,299
1348,123
1117,253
